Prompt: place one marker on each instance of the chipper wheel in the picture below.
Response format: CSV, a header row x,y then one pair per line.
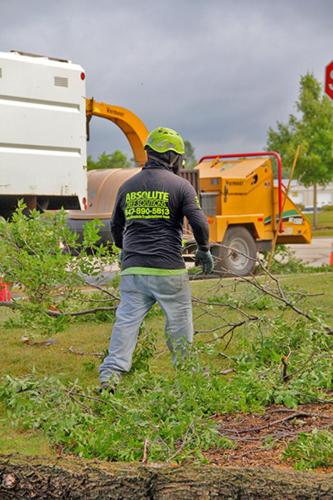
x,y
240,258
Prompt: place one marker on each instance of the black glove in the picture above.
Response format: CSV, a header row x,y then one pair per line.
x,y
205,259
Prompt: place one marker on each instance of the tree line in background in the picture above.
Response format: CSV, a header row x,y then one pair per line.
x,y
311,128
118,159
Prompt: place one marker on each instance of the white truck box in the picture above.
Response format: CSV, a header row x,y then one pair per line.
x,y
42,130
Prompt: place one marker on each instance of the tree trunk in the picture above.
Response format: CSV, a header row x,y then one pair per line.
x,y
24,478
314,220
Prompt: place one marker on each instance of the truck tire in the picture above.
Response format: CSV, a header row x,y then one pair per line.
x,y
228,260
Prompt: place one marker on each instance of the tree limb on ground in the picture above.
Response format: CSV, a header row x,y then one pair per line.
x,y
27,477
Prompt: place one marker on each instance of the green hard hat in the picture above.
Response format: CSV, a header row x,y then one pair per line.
x,y
163,139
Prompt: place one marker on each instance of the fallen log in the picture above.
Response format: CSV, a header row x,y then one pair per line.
x,y
44,478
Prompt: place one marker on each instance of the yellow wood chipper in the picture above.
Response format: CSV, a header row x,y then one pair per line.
x,y
246,211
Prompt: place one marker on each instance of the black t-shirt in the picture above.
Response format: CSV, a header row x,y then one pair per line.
x,y
148,217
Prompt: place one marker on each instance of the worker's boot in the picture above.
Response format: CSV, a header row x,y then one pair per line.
x,y
107,387
110,385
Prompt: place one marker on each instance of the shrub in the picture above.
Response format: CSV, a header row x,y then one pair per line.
x,y
33,257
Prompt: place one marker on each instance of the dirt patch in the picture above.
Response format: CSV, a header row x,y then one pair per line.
x,y
261,439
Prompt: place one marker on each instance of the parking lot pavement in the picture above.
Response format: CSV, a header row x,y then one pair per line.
x,y
317,253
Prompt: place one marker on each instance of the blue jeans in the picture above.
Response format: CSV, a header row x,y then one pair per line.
x,y
138,294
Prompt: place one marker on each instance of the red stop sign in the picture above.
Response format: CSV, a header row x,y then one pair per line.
x,y
329,80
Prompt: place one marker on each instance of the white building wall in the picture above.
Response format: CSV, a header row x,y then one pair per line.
x,y
304,195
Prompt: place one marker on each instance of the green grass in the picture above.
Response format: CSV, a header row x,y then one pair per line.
x,y
20,359
324,224
25,442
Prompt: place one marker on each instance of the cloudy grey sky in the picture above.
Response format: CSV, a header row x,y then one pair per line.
x,y
221,72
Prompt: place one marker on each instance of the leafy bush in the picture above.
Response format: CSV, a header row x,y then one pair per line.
x,y
310,450
33,257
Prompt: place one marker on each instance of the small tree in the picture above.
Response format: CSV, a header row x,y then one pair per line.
x,y
36,255
313,131
190,160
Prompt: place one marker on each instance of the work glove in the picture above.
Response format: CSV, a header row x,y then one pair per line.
x,y
205,259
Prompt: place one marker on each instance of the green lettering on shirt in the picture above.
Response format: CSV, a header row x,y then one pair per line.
x,y
147,205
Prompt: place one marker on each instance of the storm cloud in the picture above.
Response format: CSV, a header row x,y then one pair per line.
x,y
221,72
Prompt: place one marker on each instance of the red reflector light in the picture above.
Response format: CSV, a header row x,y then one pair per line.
x,y
84,203
260,219
83,76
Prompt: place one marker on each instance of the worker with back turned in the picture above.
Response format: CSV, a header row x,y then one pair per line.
x,y
147,227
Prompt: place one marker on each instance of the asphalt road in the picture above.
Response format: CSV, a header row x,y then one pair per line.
x,y
317,253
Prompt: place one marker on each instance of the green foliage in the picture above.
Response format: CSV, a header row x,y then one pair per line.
x,y
251,300
309,370
189,156
117,159
173,411
168,413
310,450
312,129
35,255
145,349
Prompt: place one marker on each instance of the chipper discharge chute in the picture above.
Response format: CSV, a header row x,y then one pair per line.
x,y
246,211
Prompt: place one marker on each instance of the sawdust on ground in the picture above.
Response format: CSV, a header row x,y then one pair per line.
x,y
261,439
